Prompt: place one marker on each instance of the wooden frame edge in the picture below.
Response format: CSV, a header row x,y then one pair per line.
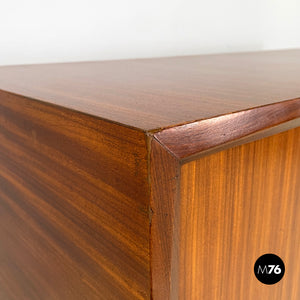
x,y
164,193
192,140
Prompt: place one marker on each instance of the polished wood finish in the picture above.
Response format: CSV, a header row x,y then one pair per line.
x,y
74,207
150,179
157,93
164,191
203,136
236,205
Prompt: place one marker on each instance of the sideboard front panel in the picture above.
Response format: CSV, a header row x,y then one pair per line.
x,y
235,206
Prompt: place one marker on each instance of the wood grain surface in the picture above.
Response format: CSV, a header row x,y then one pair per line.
x,y
236,205
164,183
157,179
192,139
157,93
74,221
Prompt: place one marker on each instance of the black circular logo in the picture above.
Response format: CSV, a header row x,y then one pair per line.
x,y
269,268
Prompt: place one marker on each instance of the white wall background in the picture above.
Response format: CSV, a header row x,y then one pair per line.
x,y
37,31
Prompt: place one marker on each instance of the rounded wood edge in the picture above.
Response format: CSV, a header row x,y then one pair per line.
x,y
193,140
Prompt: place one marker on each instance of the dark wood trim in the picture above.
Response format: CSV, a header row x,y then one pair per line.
x,y
164,182
215,134
244,140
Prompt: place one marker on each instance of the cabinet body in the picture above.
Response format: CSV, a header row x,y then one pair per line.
x,y
150,179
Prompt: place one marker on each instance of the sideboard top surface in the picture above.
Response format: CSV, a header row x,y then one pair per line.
x,y
151,94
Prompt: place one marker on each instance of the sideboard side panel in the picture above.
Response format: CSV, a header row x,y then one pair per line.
x,y
74,198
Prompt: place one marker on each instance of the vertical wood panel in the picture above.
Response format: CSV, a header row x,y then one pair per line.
x,y
73,204
164,171
235,206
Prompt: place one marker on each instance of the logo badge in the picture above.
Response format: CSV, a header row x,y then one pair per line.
x,y
269,268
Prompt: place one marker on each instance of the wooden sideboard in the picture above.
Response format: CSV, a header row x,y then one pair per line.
x,y
157,179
